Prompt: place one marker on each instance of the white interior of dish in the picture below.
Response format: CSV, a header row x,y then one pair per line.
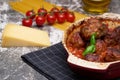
x,y
88,64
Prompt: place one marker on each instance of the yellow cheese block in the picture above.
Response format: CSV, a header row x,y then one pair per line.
x,y
16,35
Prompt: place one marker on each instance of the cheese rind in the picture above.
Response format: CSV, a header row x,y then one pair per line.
x,y
16,35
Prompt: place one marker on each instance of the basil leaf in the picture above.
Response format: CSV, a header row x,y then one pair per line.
x,y
90,49
92,39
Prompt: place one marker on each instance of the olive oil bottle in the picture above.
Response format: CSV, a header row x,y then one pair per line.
x,y
96,6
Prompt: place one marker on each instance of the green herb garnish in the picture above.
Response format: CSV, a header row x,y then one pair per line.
x,y
92,39
91,48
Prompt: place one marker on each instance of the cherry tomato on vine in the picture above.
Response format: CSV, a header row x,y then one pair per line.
x,y
51,18
42,10
30,14
27,22
65,11
70,17
55,10
40,20
61,17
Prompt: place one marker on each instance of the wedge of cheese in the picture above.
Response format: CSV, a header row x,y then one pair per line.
x,y
16,35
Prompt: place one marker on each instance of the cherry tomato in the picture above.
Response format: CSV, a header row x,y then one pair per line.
x,y
51,18
40,20
61,17
30,14
65,11
70,17
55,10
27,22
42,10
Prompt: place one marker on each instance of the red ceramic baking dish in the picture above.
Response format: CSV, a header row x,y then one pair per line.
x,y
103,60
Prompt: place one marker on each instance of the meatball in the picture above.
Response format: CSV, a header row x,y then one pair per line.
x,y
100,46
93,26
112,38
117,36
92,57
112,54
76,41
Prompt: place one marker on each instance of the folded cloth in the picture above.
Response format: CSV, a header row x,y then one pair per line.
x,y
51,62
